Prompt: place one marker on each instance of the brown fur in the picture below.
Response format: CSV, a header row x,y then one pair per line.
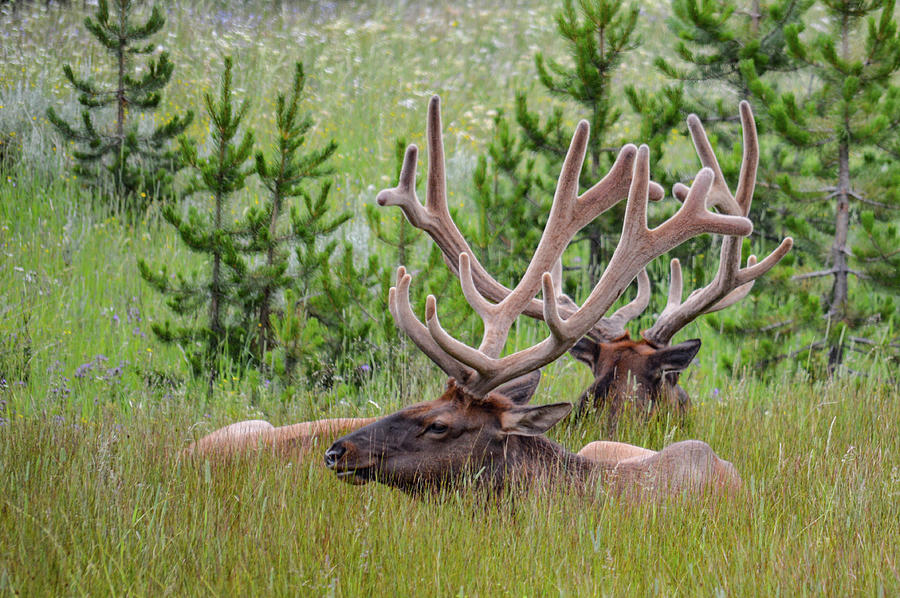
x,y
627,371
296,440
494,443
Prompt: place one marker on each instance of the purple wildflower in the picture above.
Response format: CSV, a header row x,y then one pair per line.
x,y
83,370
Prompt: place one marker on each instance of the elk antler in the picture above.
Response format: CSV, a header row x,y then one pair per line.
x,y
731,282
482,370
434,217
612,327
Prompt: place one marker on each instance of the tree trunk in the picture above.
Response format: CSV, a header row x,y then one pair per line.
x,y
264,328
837,307
755,17
215,308
121,100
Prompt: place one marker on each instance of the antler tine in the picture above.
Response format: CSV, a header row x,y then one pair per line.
x,y
749,160
729,286
735,295
676,287
434,217
482,307
720,196
613,327
731,283
561,226
485,365
568,214
638,245
401,310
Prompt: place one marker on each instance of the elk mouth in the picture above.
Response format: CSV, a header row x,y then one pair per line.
x,y
356,477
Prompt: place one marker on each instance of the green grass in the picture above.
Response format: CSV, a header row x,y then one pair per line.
x,y
94,501
102,507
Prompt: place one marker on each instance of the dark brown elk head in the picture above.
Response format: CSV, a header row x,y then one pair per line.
x,y
436,443
644,371
477,427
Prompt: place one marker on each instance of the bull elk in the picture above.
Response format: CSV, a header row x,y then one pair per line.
x,y
481,428
644,371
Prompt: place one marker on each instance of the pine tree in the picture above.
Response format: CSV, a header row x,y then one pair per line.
x,y
221,174
286,176
327,296
714,38
599,34
139,166
842,203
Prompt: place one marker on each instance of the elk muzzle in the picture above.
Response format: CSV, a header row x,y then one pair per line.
x,y
340,458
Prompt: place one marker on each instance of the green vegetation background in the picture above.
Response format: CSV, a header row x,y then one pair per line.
x,y
92,498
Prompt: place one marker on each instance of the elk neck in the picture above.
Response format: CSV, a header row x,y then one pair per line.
x,y
537,458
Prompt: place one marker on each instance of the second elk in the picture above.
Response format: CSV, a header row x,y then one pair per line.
x,y
641,372
481,427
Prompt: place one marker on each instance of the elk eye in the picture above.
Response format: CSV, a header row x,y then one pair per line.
x,y
436,428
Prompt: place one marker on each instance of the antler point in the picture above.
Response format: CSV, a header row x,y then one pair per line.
x,y
430,308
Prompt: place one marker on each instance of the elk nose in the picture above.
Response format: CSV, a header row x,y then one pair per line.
x,y
334,454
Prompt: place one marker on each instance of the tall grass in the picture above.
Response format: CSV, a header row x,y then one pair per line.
x,y
102,507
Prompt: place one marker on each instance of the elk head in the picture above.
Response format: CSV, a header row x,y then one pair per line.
x,y
436,443
634,370
476,425
644,371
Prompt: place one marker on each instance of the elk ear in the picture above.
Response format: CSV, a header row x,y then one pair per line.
x,y
532,421
586,351
674,358
520,390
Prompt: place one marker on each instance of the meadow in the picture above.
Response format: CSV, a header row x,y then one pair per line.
x,y
94,410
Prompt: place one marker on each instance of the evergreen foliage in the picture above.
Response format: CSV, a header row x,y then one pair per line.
x,y
139,166
714,38
843,206
325,292
228,330
285,177
281,253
